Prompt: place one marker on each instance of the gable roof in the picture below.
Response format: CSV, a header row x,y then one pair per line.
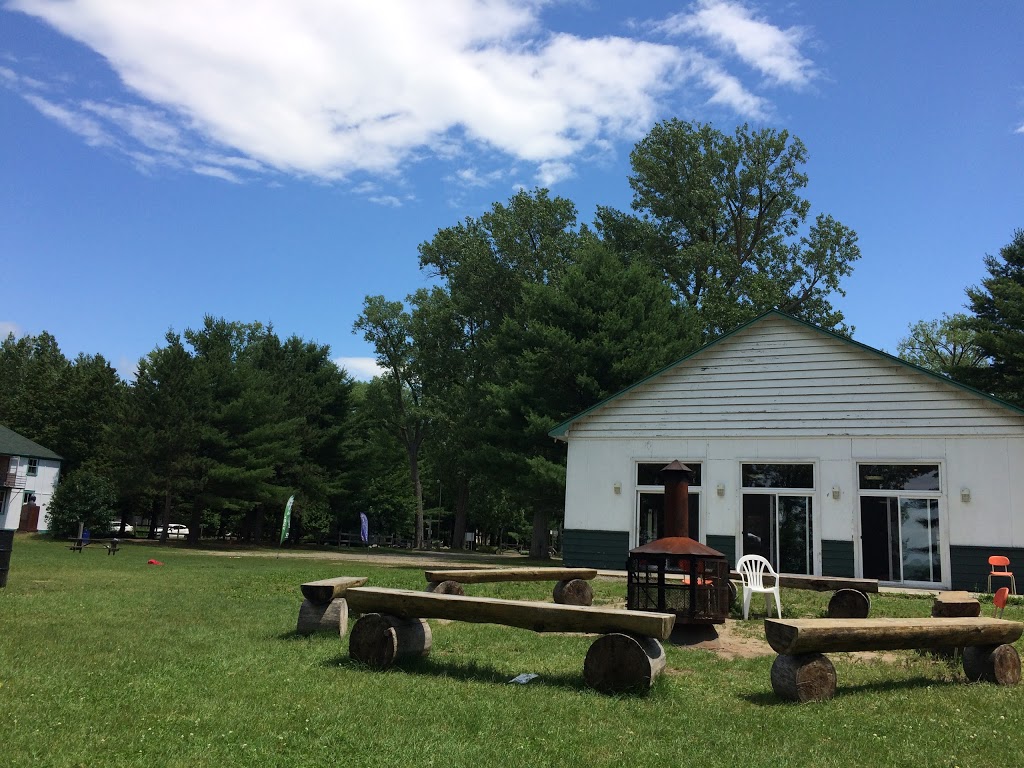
x,y
561,431
13,444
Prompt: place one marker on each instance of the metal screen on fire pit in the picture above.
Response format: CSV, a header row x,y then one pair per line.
x,y
694,588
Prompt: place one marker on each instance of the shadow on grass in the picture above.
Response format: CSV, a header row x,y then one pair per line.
x,y
470,671
842,691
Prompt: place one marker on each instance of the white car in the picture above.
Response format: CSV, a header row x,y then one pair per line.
x,y
115,528
174,531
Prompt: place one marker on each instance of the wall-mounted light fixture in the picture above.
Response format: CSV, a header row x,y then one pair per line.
x,y
617,487
965,495
836,493
720,489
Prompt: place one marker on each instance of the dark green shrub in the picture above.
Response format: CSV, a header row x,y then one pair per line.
x,y
82,497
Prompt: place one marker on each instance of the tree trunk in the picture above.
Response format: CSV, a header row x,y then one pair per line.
x,y
378,640
461,510
195,523
993,664
167,512
619,663
417,488
539,542
805,677
258,522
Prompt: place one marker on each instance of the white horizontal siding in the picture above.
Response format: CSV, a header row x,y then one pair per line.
x,y
783,377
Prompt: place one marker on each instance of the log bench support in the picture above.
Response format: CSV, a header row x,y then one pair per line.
x,y
627,658
801,673
325,608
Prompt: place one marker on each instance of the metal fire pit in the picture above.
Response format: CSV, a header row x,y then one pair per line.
x,y
681,576
677,574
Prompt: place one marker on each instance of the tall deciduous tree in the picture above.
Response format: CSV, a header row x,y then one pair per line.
x,y
398,394
998,323
946,346
723,218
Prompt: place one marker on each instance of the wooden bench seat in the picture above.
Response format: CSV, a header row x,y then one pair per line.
x,y
802,673
628,656
818,583
572,587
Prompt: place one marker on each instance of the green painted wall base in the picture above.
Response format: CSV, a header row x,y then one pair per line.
x,y
726,545
836,558
969,567
595,549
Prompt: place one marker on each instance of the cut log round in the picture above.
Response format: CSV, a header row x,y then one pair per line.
x,y
574,592
379,640
849,604
619,663
445,587
315,617
806,677
955,604
992,664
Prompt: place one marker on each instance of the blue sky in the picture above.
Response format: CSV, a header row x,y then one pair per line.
x,y
168,159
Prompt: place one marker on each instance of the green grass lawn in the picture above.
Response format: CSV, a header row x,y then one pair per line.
x,y
108,661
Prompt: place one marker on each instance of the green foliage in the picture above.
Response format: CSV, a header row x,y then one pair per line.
x,y
66,406
998,324
723,220
945,346
82,497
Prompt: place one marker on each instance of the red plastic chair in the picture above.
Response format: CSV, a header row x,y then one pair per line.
x,y
999,601
1001,567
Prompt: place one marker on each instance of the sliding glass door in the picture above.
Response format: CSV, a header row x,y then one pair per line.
x,y
899,521
779,524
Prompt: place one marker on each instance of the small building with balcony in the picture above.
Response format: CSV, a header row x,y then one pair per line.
x,y
28,475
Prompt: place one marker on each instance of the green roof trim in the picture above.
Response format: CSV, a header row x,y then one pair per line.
x,y
562,429
13,444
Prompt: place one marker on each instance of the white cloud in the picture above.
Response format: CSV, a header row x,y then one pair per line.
x,y
74,121
1021,129
327,90
7,327
732,27
387,200
360,368
550,172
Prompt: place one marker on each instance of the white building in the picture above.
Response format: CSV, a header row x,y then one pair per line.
x,y
822,454
27,470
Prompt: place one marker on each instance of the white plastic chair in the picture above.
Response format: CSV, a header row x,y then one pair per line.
x,y
752,569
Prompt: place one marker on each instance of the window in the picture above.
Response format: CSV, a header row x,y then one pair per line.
x,y
33,467
647,473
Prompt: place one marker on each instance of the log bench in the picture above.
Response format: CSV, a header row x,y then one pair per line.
x,y
627,657
572,587
324,608
802,673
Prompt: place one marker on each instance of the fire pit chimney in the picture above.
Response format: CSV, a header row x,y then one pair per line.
x,y
676,573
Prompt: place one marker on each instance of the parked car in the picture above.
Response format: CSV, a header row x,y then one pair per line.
x,y
115,528
174,531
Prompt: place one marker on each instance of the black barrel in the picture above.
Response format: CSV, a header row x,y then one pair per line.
x,y
6,544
